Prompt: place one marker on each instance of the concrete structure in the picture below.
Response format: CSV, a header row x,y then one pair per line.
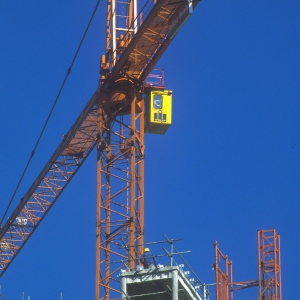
x,y
166,283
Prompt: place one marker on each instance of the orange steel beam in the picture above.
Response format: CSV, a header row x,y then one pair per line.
x,y
222,276
75,147
130,55
269,269
120,199
119,134
150,41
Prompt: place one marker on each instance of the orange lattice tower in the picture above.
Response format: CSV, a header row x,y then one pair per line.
x,y
269,271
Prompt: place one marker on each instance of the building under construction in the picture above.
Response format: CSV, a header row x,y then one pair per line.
x,y
178,280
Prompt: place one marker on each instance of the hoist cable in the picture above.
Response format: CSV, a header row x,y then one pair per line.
x,y
51,111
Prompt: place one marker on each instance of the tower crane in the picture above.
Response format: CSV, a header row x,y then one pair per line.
x,y
113,122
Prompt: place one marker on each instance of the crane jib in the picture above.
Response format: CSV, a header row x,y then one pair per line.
x,y
179,18
152,38
48,186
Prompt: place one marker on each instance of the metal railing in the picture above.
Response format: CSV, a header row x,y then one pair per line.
x,y
176,259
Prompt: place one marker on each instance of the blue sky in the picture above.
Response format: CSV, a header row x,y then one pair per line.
x,y
228,166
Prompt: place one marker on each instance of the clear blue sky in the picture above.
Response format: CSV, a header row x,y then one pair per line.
x,y
227,167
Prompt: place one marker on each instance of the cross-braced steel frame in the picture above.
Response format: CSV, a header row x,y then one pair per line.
x,y
269,270
120,193
134,43
73,150
221,276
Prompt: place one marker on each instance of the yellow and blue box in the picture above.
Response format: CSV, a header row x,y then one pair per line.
x,y
158,111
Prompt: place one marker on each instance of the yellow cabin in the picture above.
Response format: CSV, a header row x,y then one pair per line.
x,y
158,111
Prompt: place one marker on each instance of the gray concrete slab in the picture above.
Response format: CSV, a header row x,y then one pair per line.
x,y
166,283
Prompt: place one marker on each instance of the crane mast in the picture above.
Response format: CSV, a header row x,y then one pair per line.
x,y
120,193
120,159
121,21
132,49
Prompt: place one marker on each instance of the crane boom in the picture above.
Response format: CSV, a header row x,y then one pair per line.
x,y
75,147
141,52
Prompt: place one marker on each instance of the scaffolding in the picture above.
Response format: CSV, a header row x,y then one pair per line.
x,y
269,270
172,281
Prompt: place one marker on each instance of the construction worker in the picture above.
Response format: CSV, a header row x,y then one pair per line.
x,y
148,260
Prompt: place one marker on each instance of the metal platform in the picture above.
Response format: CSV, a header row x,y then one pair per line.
x,y
166,283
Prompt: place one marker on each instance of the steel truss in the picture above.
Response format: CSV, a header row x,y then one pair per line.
x,y
220,275
75,147
269,270
120,201
114,121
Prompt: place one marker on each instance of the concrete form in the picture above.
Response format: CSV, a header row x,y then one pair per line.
x,y
166,283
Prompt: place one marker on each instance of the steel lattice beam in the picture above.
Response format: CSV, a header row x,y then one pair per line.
x,y
134,55
48,186
119,134
120,216
269,269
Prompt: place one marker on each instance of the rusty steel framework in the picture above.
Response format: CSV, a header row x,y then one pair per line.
x,y
120,192
134,43
132,53
50,183
114,121
269,271
221,275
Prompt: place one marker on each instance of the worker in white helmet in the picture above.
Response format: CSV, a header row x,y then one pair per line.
x,y
147,259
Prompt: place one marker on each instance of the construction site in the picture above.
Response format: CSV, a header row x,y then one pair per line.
x,y
107,217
